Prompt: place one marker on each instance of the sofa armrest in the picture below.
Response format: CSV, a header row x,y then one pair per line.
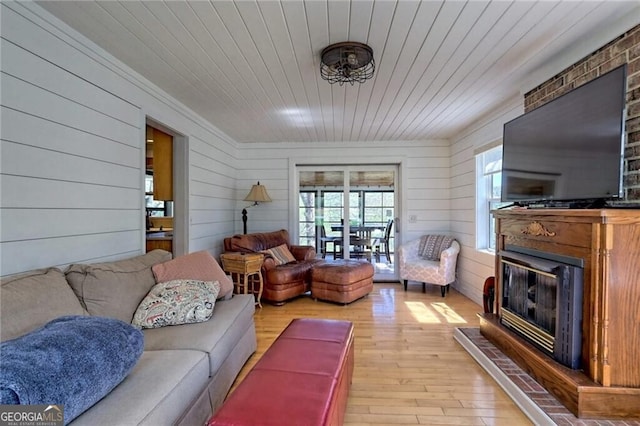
x,y
303,252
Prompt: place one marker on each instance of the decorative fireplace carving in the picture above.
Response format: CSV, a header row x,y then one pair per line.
x,y
537,229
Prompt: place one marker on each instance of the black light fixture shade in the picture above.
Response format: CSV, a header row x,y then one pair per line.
x,y
348,61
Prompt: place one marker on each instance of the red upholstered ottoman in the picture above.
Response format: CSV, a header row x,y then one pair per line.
x,y
342,281
302,379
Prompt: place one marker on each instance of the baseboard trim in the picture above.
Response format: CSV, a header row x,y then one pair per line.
x,y
528,407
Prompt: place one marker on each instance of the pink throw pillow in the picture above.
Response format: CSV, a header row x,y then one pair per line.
x,y
199,266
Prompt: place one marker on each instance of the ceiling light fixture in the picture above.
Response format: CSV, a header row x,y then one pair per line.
x,y
348,61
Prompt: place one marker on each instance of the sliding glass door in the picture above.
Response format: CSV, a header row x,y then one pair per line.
x,y
349,212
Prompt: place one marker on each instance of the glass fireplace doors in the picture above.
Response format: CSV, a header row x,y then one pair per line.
x,y
542,301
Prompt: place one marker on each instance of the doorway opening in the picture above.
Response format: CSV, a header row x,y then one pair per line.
x,y
350,212
165,186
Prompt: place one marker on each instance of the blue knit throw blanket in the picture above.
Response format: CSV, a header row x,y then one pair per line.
x,y
72,361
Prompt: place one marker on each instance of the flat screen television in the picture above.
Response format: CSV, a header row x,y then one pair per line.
x,y
569,150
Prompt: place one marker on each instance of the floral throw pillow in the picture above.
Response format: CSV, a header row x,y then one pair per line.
x,y
281,254
177,302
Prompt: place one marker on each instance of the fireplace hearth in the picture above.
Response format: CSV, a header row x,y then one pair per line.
x,y
542,302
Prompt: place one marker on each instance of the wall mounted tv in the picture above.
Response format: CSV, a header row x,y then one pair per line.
x,y
569,151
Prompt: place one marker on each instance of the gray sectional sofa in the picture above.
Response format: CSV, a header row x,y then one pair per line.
x,y
185,371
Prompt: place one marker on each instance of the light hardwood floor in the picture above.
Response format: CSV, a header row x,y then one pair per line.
x,y
408,367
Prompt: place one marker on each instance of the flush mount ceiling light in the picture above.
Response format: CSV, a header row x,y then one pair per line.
x,y
348,61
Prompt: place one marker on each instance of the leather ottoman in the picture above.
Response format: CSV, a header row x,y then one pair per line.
x,y
302,379
342,281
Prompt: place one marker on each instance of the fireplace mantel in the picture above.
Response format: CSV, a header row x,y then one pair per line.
x,y
608,241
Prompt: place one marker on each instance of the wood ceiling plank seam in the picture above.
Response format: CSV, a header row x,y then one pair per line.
x,y
215,51
168,46
409,106
410,85
338,19
477,53
444,23
408,126
558,16
564,31
252,111
397,35
179,92
418,33
290,58
298,41
93,22
249,61
463,39
495,83
266,47
512,16
239,30
318,38
280,35
197,32
360,16
382,20
229,49
226,106
359,28
344,19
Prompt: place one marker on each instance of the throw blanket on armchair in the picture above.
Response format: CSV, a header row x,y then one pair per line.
x,y
73,361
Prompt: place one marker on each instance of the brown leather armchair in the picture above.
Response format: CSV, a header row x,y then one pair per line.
x,y
281,282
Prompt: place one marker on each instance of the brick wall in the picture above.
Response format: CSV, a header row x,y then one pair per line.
x,y
624,49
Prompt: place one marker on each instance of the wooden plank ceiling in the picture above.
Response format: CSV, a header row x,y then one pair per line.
x,y
251,67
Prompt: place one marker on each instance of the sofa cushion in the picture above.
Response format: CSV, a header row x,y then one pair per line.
x,y
73,360
280,254
115,289
194,266
177,302
157,392
216,337
25,295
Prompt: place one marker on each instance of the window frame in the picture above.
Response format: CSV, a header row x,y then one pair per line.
x,y
488,187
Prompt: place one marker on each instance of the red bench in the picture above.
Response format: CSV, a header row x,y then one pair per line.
x,y
302,379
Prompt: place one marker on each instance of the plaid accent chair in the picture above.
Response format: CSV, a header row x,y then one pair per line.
x,y
417,261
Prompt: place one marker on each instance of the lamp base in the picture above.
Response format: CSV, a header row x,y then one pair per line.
x,y
244,220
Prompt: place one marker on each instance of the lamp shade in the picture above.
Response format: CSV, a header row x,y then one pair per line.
x,y
258,194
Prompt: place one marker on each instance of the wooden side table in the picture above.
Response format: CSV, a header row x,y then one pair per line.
x,y
245,272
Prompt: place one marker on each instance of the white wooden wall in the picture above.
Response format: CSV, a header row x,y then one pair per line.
x,y
424,192
72,154
474,266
